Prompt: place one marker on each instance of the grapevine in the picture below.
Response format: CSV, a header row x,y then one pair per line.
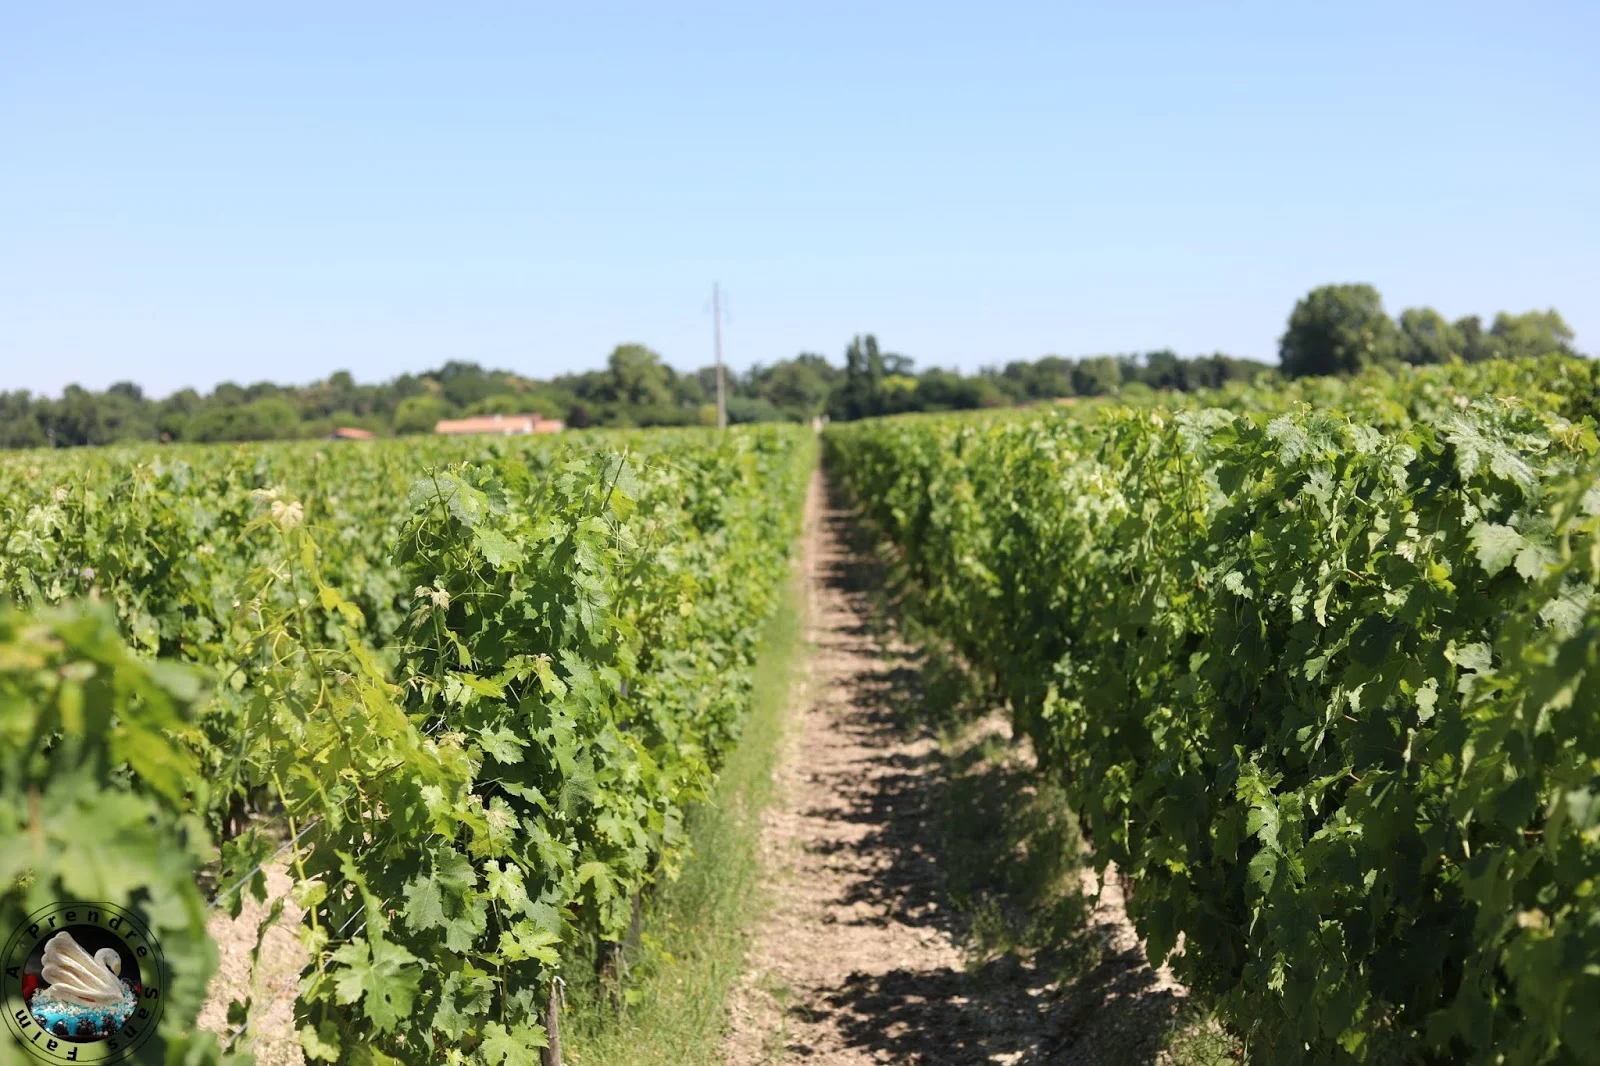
x,y
465,690
1317,680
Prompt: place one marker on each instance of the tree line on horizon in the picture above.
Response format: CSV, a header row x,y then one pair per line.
x,y
1334,329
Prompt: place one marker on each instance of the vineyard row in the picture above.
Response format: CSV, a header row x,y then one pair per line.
x,y
1320,681
467,710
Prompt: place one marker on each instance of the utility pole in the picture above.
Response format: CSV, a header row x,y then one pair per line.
x,y
716,332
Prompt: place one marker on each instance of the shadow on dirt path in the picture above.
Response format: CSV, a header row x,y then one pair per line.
x,y
929,899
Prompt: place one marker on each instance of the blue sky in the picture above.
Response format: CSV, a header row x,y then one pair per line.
x,y
198,193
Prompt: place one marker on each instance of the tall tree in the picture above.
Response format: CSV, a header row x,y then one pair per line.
x,y
636,376
1338,329
860,396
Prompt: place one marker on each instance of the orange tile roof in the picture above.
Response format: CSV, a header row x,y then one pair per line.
x,y
505,424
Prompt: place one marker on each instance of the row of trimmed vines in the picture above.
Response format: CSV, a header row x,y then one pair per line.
x,y
468,709
1321,682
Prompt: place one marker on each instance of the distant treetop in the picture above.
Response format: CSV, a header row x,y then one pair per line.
x,y
1342,329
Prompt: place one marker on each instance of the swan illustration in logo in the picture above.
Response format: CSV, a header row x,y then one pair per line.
x,y
83,995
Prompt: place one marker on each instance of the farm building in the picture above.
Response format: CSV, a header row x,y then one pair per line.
x,y
505,425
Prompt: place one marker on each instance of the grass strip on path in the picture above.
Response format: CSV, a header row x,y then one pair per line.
x,y
673,1001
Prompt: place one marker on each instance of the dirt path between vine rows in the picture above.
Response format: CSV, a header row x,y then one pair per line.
x,y
862,958
851,920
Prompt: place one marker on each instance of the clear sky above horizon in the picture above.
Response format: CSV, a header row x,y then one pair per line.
x,y
198,193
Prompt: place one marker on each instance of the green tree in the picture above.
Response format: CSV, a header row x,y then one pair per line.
x,y
1214,371
1531,334
20,425
1338,329
749,409
1097,376
1048,378
799,387
636,377
859,395
550,401
272,418
173,414
1164,370
419,414
949,390
1427,337
689,391
1475,346
465,384
1041,379
228,394
78,418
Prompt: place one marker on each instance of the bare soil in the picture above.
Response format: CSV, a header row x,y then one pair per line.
x,y
271,984
870,951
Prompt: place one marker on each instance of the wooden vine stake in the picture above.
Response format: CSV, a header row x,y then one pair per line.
x,y
550,1055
